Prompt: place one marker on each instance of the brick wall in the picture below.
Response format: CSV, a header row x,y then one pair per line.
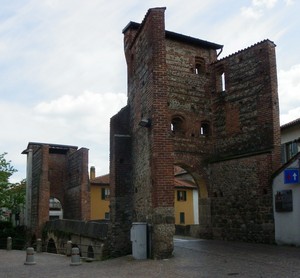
x,y
147,97
121,189
226,135
61,172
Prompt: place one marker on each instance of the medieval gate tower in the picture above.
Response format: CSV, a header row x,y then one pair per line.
x,y
217,119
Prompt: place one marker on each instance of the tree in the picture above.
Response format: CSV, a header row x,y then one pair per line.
x,y
12,196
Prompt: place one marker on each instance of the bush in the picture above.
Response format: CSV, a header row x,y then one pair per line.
x,y
18,235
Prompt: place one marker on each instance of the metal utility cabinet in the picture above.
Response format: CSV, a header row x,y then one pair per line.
x,y
138,237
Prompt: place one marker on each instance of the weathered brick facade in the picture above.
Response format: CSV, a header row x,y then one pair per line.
x,y
61,172
218,119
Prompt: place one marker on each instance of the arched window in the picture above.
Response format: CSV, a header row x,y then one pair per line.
x,y
204,129
220,79
199,65
177,125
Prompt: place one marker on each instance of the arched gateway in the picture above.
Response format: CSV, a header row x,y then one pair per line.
x,y
217,118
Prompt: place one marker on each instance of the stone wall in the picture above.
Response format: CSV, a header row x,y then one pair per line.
x,y
152,180
76,189
241,207
121,189
217,119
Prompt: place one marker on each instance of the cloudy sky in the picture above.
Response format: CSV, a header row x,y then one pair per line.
x,y
63,71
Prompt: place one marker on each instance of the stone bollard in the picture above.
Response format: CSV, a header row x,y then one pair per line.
x,y
69,248
30,256
38,245
75,258
9,244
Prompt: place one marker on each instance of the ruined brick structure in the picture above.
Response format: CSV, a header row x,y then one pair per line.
x,y
217,119
57,171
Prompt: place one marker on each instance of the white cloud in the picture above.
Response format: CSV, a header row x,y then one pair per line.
x,y
289,97
58,58
81,120
264,3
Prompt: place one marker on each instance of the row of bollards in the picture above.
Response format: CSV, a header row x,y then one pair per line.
x,y
73,252
75,257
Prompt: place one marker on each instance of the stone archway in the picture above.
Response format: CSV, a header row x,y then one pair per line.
x,y
51,247
195,183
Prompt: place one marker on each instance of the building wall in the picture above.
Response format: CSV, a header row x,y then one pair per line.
x,y
152,167
184,206
98,206
218,119
241,205
61,172
290,134
287,223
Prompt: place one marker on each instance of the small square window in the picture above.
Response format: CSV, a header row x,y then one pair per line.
x,y
181,195
105,193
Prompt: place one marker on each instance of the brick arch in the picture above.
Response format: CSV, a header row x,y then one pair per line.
x,y
178,124
200,176
51,246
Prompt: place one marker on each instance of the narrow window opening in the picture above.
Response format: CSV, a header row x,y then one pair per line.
x,y
105,193
223,82
182,218
177,125
204,129
199,65
220,79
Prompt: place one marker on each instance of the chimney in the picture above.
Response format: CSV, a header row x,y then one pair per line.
x,y
92,173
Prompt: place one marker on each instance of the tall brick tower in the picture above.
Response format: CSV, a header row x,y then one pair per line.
x,y
217,119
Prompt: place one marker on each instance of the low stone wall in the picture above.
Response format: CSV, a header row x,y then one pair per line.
x,y
89,237
188,230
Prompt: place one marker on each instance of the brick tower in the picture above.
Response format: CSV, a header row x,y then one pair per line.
x,y
217,119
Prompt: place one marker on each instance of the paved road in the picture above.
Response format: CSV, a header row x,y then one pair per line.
x,y
192,258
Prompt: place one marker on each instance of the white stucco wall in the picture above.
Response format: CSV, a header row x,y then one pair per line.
x,y
290,134
287,224
196,206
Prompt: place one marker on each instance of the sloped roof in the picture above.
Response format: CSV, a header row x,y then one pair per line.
x,y
290,124
178,37
285,165
184,184
101,180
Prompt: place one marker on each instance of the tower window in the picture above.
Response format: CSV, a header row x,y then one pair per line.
x,y
177,125
220,79
204,129
199,65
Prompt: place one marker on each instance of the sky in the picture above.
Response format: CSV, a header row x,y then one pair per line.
x,y
63,73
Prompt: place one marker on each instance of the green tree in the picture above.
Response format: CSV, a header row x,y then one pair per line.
x,y
11,195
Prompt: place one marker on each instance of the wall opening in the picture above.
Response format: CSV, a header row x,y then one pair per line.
x,y
199,65
90,252
55,209
178,125
51,247
204,129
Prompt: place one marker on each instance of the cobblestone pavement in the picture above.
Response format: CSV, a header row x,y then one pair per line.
x,y
192,258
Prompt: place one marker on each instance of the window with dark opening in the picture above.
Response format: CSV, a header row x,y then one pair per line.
x,y
181,195
220,79
177,125
204,129
105,193
181,218
199,65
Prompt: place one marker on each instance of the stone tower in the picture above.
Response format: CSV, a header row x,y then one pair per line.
x,y
217,119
